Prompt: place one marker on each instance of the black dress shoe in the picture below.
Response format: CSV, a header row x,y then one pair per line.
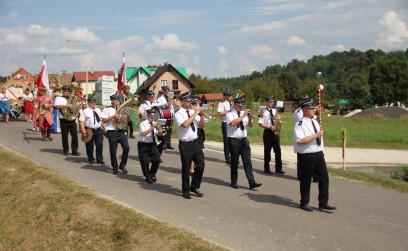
x,y
268,172
154,179
197,192
280,172
306,208
76,153
91,162
186,195
327,207
170,147
228,161
101,162
65,153
252,185
234,185
124,170
115,172
149,180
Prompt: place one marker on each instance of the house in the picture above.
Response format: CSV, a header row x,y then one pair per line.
x,y
87,80
135,76
166,75
58,79
212,99
17,82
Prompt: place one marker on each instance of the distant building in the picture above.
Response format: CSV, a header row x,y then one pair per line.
x,y
87,80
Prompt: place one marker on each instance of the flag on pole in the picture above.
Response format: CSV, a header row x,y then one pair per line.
x,y
122,76
42,80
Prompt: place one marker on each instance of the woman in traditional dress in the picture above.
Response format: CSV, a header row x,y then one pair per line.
x,y
28,104
5,105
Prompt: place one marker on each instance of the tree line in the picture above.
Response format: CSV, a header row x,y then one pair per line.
x,y
365,79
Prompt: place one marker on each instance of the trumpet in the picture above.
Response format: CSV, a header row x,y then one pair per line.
x,y
251,115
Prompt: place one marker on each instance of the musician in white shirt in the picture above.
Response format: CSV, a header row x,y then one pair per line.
x,y
165,100
90,118
223,108
188,121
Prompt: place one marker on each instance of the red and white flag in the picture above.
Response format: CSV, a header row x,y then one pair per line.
x,y
122,76
42,80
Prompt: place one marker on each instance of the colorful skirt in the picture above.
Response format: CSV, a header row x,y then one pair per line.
x,y
28,107
5,107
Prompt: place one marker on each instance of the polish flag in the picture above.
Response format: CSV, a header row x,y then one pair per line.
x,y
42,80
122,76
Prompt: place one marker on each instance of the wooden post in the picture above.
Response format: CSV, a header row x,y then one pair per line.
x,y
344,148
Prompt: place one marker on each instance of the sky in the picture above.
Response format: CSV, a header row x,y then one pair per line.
x,y
224,38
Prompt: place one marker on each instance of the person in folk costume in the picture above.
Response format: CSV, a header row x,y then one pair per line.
x,y
45,120
165,100
89,118
124,96
28,99
5,105
147,146
188,121
67,126
56,127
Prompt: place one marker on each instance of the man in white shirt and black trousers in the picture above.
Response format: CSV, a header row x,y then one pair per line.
x,y
165,100
223,108
188,121
308,144
147,146
237,121
115,136
90,118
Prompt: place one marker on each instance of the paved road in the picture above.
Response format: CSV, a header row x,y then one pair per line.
x,y
268,218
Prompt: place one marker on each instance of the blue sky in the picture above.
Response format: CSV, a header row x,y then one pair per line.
x,y
223,38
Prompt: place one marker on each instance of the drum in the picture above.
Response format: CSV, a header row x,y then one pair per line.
x,y
165,113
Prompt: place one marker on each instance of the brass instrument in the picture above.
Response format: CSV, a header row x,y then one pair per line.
x,y
240,94
123,112
71,114
278,122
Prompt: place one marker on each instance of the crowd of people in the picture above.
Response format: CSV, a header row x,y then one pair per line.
x,y
154,135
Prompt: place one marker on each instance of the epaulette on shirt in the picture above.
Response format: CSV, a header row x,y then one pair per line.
x,y
300,122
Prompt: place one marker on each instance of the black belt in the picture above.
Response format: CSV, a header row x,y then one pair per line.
x,y
237,139
310,153
119,130
94,130
192,141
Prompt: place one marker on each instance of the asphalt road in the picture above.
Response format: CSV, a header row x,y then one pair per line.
x,y
269,218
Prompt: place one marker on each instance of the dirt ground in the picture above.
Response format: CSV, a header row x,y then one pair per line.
x,y
383,112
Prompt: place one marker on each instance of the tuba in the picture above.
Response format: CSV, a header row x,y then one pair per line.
x,y
122,110
76,102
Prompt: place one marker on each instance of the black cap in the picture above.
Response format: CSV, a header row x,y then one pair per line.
x,y
66,88
165,88
308,104
151,111
270,98
227,93
91,100
114,96
185,96
239,101
195,97
150,93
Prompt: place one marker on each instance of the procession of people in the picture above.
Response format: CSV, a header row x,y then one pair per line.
x,y
117,124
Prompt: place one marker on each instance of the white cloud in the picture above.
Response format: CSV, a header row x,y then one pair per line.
x,y
262,51
222,65
223,50
326,49
245,65
295,40
275,25
14,14
394,31
15,39
299,57
170,42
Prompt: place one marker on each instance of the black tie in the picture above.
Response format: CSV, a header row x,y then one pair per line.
x,y
318,140
241,124
192,123
96,116
154,140
272,117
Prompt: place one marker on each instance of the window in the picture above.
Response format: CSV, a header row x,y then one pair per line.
x,y
164,83
175,84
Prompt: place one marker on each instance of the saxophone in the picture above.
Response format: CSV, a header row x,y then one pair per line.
x,y
123,111
76,102
278,122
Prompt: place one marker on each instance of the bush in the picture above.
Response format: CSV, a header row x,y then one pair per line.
x,y
401,174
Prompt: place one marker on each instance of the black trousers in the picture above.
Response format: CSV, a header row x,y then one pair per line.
x,y
96,140
191,151
116,137
167,138
240,147
130,126
272,141
71,128
201,136
227,154
313,164
148,152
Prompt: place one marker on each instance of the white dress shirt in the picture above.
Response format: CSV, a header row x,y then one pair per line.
x,y
186,134
302,129
146,105
162,100
87,116
224,106
61,100
235,131
107,112
266,118
145,125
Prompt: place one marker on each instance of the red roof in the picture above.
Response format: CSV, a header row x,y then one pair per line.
x,y
211,96
80,76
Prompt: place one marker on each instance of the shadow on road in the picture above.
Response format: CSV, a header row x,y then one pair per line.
x,y
270,198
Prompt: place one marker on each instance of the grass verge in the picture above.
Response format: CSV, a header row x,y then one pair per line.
x,y
41,210
371,179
